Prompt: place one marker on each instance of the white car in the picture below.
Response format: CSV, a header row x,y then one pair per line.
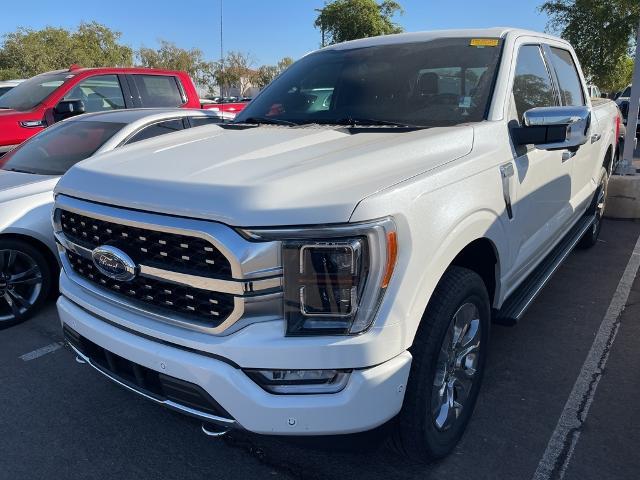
x,y
28,174
329,262
7,85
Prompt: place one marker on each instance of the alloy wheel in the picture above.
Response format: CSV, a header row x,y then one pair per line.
x,y
456,366
20,284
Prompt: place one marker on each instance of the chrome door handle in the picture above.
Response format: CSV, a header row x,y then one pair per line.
x,y
595,137
567,154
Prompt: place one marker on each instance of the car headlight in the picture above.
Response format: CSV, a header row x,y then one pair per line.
x,y
334,277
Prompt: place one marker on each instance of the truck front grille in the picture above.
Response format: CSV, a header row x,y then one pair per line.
x,y
169,251
206,306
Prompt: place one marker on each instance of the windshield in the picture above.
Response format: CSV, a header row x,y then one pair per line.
x,y
58,148
32,92
4,90
434,83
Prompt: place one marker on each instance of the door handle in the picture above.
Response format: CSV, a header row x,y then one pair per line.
x,y
595,137
567,154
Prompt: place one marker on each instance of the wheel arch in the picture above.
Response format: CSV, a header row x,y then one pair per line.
x,y
479,243
40,245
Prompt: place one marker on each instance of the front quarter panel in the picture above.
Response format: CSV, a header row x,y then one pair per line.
x,y
437,215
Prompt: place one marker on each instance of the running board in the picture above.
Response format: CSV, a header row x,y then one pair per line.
x,y
516,305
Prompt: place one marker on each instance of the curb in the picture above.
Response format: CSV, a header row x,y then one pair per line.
x,y
623,197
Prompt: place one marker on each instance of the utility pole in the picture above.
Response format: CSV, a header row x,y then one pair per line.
x,y
626,167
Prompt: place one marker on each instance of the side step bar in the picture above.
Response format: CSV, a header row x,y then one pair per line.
x,y
515,306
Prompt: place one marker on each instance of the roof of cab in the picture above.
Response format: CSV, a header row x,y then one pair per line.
x,y
494,32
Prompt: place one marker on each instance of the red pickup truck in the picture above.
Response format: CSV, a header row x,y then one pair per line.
x,y
53,96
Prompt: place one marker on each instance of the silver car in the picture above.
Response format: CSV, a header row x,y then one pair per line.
x,y
28,174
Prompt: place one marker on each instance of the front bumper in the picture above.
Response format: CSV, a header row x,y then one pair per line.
x,y
372,396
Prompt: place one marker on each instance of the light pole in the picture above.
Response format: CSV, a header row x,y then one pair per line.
x,y
627,167
221,57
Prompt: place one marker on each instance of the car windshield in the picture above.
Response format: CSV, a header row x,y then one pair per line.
x,y
32,92
440,82
58,148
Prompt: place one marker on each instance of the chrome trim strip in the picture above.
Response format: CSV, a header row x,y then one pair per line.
x,y
239,288
233,287
167,403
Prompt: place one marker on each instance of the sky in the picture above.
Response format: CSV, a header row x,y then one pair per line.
x,y
267,29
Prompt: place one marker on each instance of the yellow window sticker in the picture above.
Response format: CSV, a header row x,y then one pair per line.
x,y
484,42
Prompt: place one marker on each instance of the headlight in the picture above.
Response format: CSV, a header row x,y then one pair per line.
x,y
334,277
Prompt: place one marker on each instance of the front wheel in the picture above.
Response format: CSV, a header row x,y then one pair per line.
x,y
25,281
449,354
590,237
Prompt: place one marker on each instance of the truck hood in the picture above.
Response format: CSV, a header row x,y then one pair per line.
x,y
265,176
15,185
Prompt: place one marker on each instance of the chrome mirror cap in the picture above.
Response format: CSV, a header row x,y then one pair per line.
x,y
566,127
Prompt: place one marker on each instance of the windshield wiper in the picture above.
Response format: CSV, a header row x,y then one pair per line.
x,y
17,170
268,121
368,122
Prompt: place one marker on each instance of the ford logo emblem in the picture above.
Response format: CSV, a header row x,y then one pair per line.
x,y
114,263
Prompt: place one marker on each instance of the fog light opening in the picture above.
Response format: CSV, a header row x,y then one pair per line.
x,y
300,382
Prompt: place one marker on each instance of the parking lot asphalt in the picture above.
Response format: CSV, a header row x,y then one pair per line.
x,y
60,419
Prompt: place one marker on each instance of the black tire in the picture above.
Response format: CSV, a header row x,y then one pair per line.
x,y
22,296
590,238
416,434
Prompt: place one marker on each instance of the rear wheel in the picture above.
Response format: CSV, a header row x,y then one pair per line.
x,y
590,238
25,281
449,355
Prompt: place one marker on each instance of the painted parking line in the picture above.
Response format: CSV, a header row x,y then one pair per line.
x,y
564,439
41,351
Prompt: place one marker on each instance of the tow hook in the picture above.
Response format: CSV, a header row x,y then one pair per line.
x,y
212,430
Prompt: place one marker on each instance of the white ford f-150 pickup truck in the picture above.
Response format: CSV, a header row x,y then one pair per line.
x,y
332,260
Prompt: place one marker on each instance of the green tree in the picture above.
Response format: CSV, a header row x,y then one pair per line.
x,y
266,73
343,20
235,71
601,32
171,57
27,52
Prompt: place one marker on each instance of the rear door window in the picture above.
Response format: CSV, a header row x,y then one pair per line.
x,y
157,129
570,85
100,93
158,90
532,85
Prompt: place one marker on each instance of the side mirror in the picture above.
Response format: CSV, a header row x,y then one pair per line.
x,y
604,95
68,108
554,128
